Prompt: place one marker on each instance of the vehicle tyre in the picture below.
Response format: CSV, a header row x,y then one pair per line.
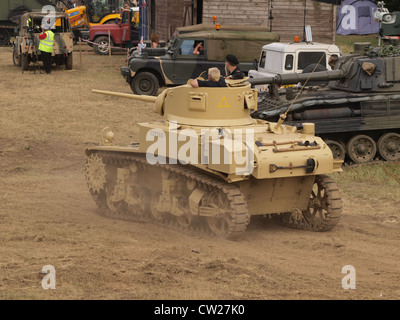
x,y
318,68
68,62
101,46
16,58
25,62
4,37
145,83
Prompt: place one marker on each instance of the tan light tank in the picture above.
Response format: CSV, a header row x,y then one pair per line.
x,y
209,166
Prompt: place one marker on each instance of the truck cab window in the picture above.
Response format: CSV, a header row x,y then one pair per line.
x,y
187,47
289,62
262,59
307,58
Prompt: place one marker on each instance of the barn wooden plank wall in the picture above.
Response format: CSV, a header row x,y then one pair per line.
x,y
169,14
288,16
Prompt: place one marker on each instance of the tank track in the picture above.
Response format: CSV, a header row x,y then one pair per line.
x,y
238,212
323,214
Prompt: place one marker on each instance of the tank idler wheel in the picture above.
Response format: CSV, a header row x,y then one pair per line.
x,y
389,146
361,149
325,205
337,148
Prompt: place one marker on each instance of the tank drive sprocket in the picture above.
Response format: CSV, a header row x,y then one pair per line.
x,y
95,173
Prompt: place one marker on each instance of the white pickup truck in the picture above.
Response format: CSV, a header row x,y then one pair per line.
x,y
300,57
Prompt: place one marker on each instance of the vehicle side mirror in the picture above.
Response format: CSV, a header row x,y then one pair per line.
x,y
255,64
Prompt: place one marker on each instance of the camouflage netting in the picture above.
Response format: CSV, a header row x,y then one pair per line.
x,y
382,51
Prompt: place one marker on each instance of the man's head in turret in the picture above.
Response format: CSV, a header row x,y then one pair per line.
x,y
231,60
232,65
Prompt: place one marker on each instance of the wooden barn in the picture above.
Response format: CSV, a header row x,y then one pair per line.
x,y
285,17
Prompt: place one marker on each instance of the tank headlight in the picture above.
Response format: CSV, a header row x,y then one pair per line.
x,y
109,136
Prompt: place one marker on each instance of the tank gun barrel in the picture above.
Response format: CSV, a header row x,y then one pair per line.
x,y
127,95
291,78
265,80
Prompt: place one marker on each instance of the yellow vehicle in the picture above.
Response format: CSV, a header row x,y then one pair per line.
x,y
95,12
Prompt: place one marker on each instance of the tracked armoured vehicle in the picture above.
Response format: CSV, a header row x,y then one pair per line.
x,y
208,166
357,113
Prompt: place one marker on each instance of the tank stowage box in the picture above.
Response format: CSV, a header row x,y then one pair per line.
x,y
209,166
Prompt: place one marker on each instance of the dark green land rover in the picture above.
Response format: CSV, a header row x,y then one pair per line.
x,y
148,70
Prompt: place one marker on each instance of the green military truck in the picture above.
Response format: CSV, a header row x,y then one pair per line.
x,y
149,69
11,12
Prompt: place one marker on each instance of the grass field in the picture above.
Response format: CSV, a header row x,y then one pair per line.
x,y
346,43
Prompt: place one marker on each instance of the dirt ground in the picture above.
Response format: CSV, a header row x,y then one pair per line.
x,y
47,216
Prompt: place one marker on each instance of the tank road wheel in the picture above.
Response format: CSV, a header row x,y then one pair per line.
x,y
221,223
101,46
325,205
337,148
113,206
389,146
361,149
155,211
185,219
145,83
229,212
139,208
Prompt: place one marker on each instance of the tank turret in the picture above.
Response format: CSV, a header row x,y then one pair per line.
x,y
357,113
208,164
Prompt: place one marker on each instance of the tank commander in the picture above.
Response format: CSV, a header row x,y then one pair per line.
x,y
232,65
214,80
